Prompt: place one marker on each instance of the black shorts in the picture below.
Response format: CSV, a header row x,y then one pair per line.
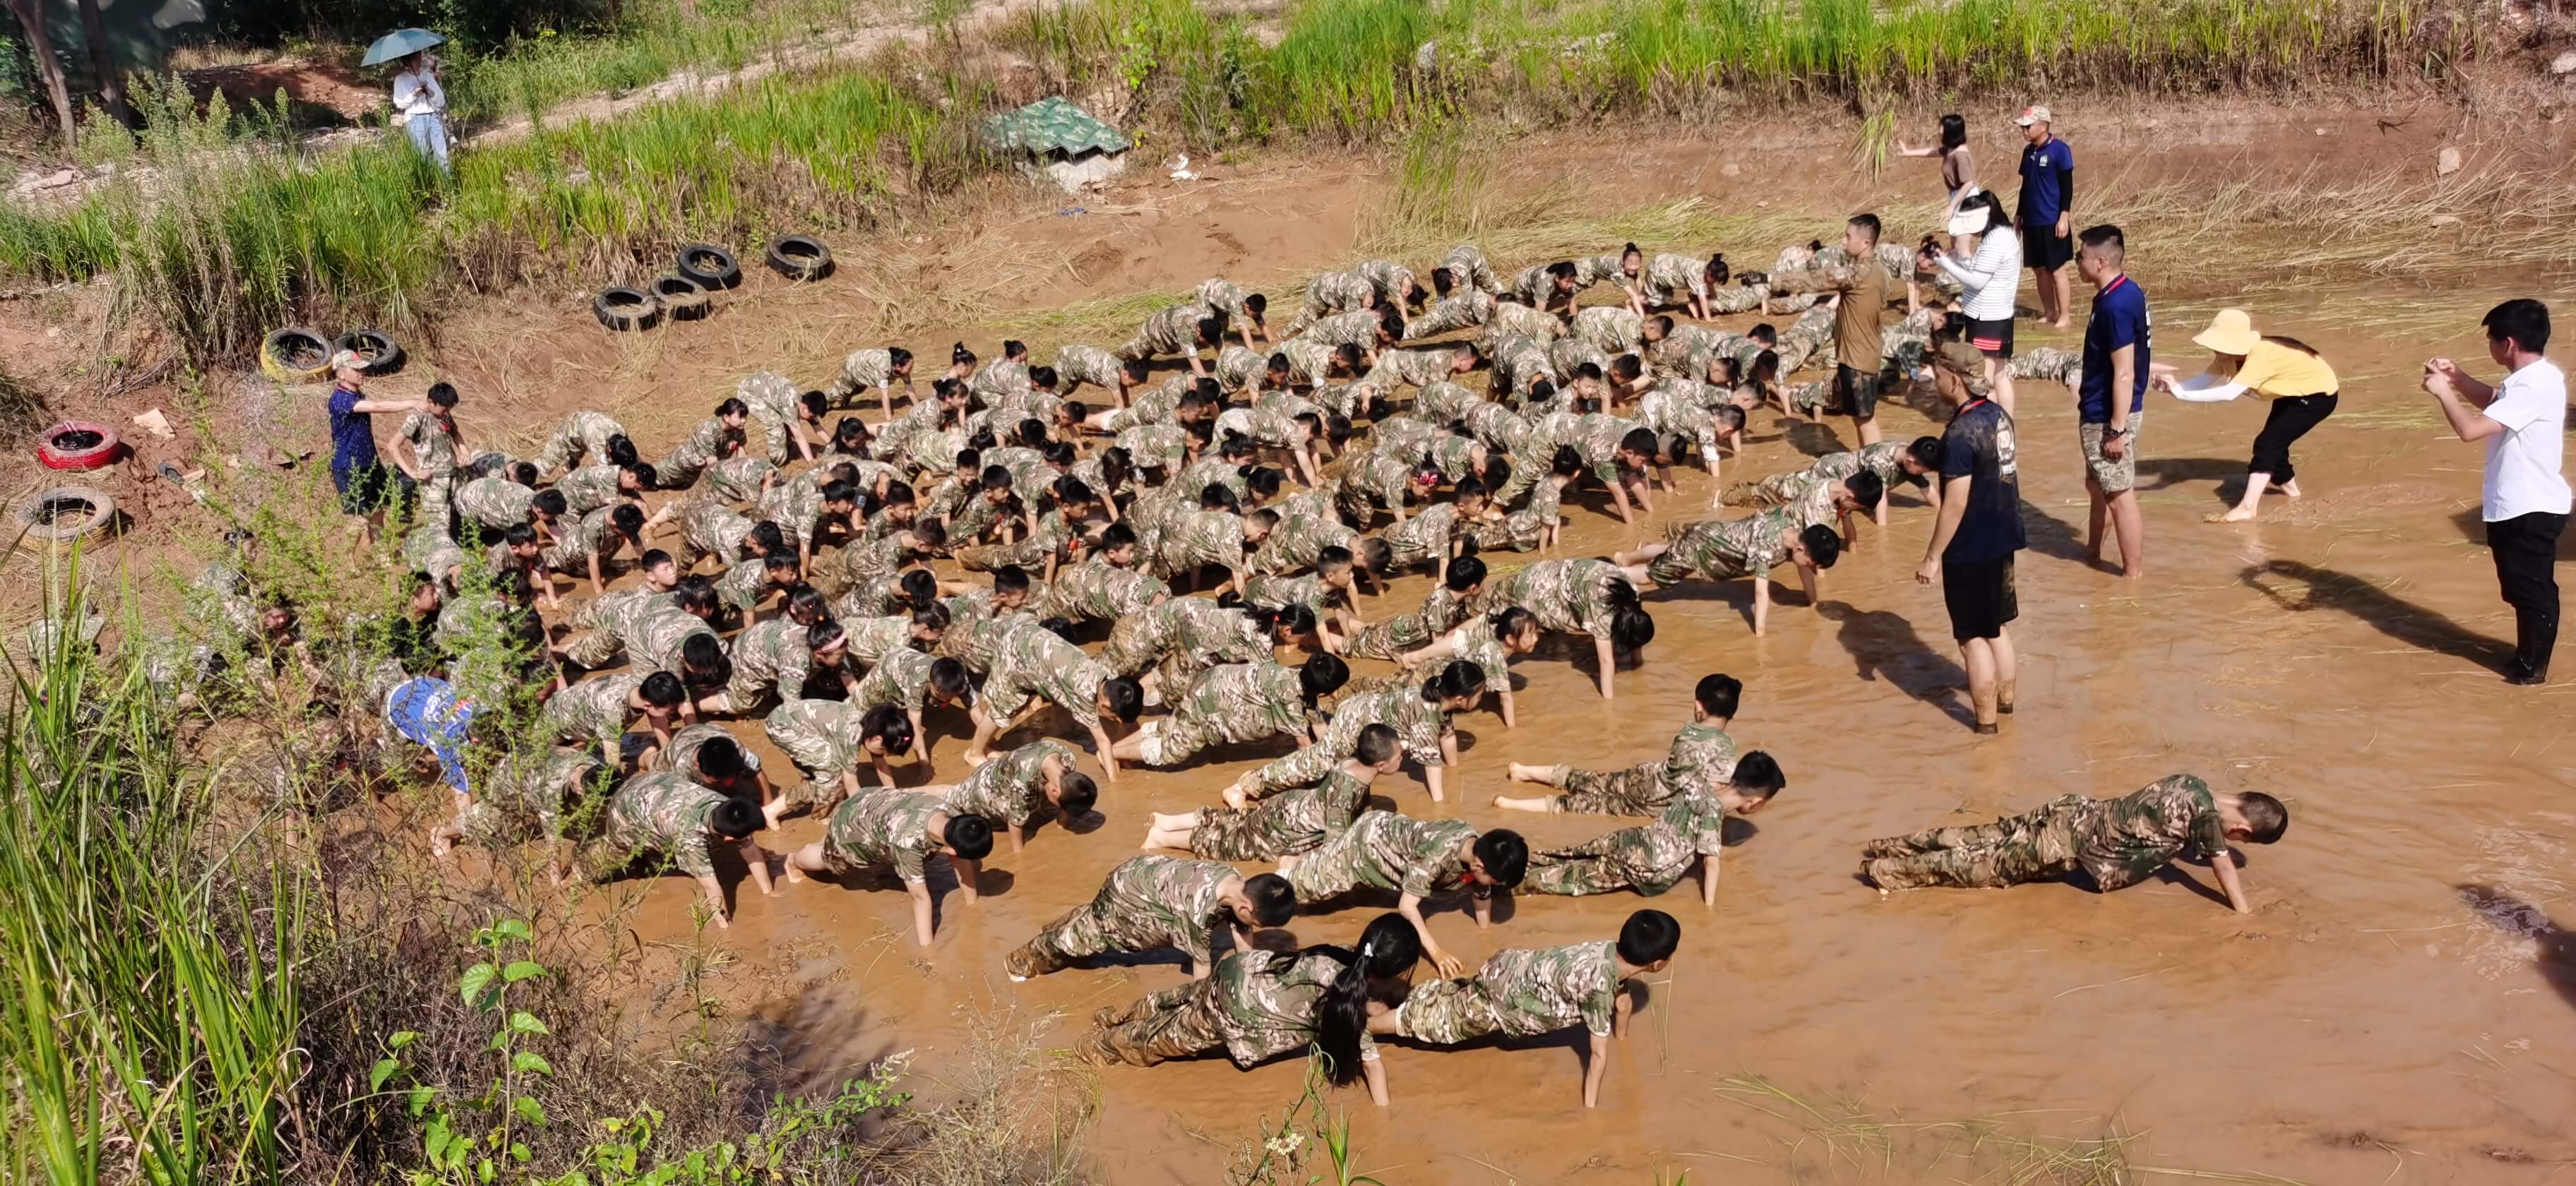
x,y
366,489
1980,596
1992,338
1856,392
2041,248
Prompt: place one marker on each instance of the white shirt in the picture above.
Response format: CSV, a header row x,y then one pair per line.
x,y
417,94
1990,277
2524,460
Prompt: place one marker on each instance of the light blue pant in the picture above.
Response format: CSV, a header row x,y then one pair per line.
x,y
429,135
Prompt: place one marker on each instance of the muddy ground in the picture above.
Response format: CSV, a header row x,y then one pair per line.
x,y
2400,1008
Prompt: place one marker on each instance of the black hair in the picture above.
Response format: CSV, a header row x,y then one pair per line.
x,y
1717,271
1117,466
1510,620
887,724
958,353
1059,453
700,651
1866,487
1459,679
1117,535
1648,936
696,596
519,535
1261,480
1440,280
522,472
929,533
948,678
1059,626
805,601
1926,452
2522,319
1332,556
778,560
1348,356
1639,440
1498,474
1322,676
1628,367
1216,496
850,435
2265,817
443,394
814,402
1010,578
1237,445
1126,697
1662,323
994,477
920,588
1374,555
1629,250
1757,774
1631,627
1465,572
1135,369
1562,268
1727,416
1505,856
1388,948
897,357
1954,131
720,758
1255,305
662,689
732,406
654,558
897,493
1211,330
619,449
1718,695
2107,238
646,477
734,818
1076,794
969,836
1993,206
1297,620
1824,547
1274,901
821,635
1043,378
1377,743
1012,349
549,503
1589,370
765,538
933,616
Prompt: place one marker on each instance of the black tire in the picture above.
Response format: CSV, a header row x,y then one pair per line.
x,y
800,257
713,267
681,297
626,309
386,355
295,355
64,514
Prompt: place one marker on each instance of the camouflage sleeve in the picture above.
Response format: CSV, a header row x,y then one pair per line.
x,y
908,860
1600,998
689,852
1422,871
2209,835
1309,764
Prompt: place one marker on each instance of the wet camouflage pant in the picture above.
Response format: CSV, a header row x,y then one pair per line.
x,y
1390,639
745,690
821,760
1236,834
1625,859
1092,929
2034,846
593,650
433,498
1176,739
1635,790
1447,1012
1178,1022
574,442
1769,492
1443,317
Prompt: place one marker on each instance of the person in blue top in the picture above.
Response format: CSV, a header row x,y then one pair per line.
x,y
2112,397
1977,532
427,711
367,486
2046,210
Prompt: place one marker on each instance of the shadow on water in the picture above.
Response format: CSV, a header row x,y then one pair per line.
x,y
806,1046
2391,615
2161,473
1885,645
2053,537
1815,438
2554,954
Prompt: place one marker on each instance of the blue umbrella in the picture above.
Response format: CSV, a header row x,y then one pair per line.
x,y
401,43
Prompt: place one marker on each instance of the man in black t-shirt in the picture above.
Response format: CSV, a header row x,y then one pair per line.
x,y
1979,530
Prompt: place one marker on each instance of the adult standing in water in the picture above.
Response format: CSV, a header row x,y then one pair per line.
x,y
1971,553
1958,183
2112,397
2286,372
2046,210
2524,499
1988,280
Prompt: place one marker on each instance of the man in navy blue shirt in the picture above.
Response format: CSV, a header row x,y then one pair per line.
x,y
366,486
1977,532
2113,395
2047,200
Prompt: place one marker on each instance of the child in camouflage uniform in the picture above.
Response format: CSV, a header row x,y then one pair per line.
x,y
1034,663
880,368
1026,785
826,739
901,829
1149,903
1106,586
1523,993
1289,822
598,709
1184,329
519,792
432,437
1892,461
1419,713
1441,610
1702,756
1654,857
1237,703
1491,642
2117,842
1735,549
1534,526
1416,859
664,815
715,438
1330,293
1577,596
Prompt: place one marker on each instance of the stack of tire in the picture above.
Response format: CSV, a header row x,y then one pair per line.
x,y
296,354
700,271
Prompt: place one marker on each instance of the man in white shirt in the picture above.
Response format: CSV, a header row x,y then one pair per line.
x,y
2525,498
420,106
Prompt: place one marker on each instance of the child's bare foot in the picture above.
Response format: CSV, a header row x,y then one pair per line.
x,y
441,844
2291,488
795,876
2230,515
1523,772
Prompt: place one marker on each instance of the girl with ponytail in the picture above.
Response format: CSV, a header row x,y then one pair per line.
x,y
1580,596
1489,641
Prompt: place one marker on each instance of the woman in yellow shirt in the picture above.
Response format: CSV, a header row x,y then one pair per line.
x,y
2286,372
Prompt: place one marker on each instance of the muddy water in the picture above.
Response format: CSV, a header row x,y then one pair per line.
x,y
2401,1007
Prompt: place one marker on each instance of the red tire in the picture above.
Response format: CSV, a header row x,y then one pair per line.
x,y
78,445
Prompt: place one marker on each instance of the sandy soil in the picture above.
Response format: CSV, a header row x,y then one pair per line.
x,y
2399,1009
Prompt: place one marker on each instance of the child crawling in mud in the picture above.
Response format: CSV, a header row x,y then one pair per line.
x,y
2118,842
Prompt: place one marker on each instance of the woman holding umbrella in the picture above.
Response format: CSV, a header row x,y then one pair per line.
x,y
420,104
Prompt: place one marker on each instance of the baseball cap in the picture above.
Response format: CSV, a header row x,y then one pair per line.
x,y
1961,359
348,360
2036,113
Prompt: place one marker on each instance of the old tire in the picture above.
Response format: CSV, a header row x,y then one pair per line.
x,y
800,257
77,445
713,267
626,309
384,355
64,514
681,297
295,355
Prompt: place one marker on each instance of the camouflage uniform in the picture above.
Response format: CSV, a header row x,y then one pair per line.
x,y
1076,365
1385,851
1266,428
1468,268
1232,703
1254,1006
1886,459
582,434
1680,408
659,634
1423,538
1511,319
1280,822
682,757
710,528
1811,331
2118,842
1477,644
1524,529
1034,662
1520,993
494,504
1611,329
1355,328
589,488
614,622
998,379
1299,542
1650,858
744,585
1095,590
1609,266
1535,285
796,505
1567,356
1565,595
768,656
1461,309
1330,293
1173,330
515,794
661,814
429,551
433,448
1309,362
1201,538
902,679
1307,589
1498,426
1156,446
1147,903
888,827
1011,789
1238,368
1224,296
932,451
1724,549
691,456
589,536
1701,757
1180,636
2047,364
1520,361
861,370
1441,402
774,406
822,738
1669,279
1409,368
1419,725
1441,611
593,710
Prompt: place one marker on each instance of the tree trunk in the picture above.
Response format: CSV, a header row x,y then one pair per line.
x,y
102,62
40,46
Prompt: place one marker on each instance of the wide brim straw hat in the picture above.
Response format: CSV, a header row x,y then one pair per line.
x,y
2231,332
